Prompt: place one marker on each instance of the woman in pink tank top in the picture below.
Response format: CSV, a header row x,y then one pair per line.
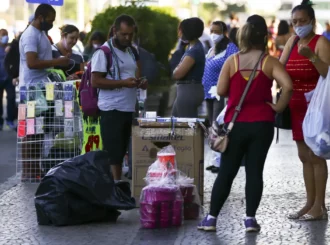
x,y
309,59
253,131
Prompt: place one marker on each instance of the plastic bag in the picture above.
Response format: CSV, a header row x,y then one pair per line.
x,y
81,190
159,174
316,125
161,202
161,206
166,156
221,117
192,208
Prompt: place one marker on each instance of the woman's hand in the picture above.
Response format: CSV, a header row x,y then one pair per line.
x,y
72,77
305,51
275,107
15,81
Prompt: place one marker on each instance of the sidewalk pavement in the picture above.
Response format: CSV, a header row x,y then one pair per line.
x,y
283,193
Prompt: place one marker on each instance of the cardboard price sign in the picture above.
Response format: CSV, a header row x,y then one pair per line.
x,y
51,2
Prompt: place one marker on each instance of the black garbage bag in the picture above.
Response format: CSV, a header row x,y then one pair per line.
x,y
81,190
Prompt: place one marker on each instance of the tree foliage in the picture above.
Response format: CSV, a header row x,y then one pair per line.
x,y
157,27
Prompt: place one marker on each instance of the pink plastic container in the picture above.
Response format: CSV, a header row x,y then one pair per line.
x,y
159,194
166,215
187,190
177,212
178,204
189,199
165,223
177,221
149,224
149,216
150,207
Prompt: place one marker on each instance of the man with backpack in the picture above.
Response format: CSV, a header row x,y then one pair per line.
x,y
6,85
117,83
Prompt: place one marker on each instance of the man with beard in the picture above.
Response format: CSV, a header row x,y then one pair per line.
x,y
117,90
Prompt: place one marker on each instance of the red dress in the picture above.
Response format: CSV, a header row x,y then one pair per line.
x,y
304,78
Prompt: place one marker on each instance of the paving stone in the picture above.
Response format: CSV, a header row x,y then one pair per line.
x,y
283,193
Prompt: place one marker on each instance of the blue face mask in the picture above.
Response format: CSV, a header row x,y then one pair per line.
x,y
303,31
4,39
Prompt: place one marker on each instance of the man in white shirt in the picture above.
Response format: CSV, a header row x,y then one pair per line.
x,y
118,91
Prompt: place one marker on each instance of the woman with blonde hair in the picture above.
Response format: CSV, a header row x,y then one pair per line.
x,y
253,132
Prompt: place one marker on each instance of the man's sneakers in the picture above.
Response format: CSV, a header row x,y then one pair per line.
x,y
207,224
251,225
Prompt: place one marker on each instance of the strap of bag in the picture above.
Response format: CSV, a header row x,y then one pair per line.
x,y
293,44
246,90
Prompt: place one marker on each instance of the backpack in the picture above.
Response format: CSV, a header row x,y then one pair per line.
x,y
88,95
12,59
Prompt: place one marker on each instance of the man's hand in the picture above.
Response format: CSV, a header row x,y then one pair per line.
x,y
143,84
130,83
62,61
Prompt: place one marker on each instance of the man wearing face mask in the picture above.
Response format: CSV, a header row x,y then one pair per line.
x,y
222,49
35,47
6,84
118,90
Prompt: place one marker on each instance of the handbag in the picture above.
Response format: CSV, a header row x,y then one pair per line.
x,y
218,135
283,119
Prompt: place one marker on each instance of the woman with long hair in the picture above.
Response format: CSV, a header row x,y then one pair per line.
x,y
253,132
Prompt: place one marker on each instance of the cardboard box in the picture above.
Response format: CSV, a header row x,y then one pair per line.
x,y
187,142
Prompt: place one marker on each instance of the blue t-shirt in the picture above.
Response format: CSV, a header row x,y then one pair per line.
x,y
213,68
197,53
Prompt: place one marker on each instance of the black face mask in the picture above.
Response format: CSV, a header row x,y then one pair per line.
x,y
45,26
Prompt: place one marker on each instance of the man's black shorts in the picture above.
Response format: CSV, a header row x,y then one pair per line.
x,y
116,128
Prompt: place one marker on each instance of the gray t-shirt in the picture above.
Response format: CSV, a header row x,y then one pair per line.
x,y
123,99
33,40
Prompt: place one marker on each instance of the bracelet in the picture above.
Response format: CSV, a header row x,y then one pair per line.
x,y
314,58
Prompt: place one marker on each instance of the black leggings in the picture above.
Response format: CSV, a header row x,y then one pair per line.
x,y
251,140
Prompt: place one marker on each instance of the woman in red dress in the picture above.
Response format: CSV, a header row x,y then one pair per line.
x,y
310,59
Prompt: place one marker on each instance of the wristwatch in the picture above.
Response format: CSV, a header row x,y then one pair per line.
x,y
314,58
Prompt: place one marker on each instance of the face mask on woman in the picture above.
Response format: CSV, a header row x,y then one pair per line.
x,y
216,37
4,39
303,31
95,46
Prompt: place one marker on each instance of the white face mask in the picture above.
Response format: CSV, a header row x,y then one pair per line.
x,y
95,46
216,37
303,31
